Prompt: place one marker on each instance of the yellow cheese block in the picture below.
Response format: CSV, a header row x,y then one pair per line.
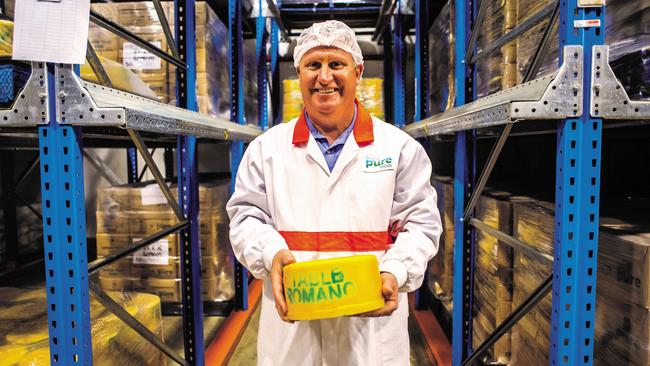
x,y
330,288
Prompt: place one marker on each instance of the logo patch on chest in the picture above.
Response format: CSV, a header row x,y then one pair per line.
x,y
377,164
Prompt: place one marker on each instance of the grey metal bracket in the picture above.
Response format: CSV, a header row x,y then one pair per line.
x,y
30,107
550,97
81,103
563,96
74,103
609,100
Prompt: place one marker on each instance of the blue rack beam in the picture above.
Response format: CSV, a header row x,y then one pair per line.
x,y
64,230
576,206
188,189
236,64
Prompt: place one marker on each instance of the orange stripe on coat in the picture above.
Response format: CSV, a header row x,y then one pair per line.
x,y
337,241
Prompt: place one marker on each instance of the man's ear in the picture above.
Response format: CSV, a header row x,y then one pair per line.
x,y
359,72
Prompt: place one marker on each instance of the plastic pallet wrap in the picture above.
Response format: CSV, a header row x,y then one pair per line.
x,y
24,333
212,78
532,224
29,233
497,70
623,281
127,214
627,27
441,62
441,267
493,275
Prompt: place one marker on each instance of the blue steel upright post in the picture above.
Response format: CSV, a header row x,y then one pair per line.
x,y
132,164
576,205
463,163
64,233
399,67
421,92
236,64
188,188
261,39
275,70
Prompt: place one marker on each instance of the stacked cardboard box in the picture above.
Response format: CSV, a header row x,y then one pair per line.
x,y
533,223
490,70
128,214
527,43
211,52
370,94
441,62
291,99
627,32
623,279
29,233
493,275
441,267
24,329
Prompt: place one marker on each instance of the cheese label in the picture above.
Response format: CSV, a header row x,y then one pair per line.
x,y
156,253
135,57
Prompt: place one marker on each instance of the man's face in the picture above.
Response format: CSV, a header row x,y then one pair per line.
x,y
328,80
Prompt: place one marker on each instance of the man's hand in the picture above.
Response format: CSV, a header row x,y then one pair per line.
x,y
390,291
281,259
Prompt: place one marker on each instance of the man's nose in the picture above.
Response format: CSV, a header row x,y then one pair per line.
x,y
325,75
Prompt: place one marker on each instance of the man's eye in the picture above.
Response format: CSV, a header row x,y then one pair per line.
x,y
313,65
336,64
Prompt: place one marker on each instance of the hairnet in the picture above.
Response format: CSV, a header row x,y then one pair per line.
x,y
331,33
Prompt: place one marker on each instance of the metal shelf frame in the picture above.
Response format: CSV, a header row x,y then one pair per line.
x,y
57,103
582,93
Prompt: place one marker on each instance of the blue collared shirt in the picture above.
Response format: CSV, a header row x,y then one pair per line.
x,y
330,152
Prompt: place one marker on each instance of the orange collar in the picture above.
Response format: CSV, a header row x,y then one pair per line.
x,y
362,128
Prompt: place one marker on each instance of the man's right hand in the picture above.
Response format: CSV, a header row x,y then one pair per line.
x,y
281,259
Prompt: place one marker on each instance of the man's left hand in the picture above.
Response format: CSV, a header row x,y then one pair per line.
x,y
390,291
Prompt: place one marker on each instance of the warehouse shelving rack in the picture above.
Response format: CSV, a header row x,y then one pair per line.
x,y
582,93
63,108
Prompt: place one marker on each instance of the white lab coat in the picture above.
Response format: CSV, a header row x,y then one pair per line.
x,y
286,197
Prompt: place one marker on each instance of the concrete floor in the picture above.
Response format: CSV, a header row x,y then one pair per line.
x,y
245,353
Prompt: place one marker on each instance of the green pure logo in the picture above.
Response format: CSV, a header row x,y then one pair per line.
x,y
378,163
318,287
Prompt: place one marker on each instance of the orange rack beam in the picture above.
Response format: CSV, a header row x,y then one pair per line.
x,y
219,351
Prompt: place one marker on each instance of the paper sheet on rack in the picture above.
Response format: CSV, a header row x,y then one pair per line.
x,y
53,31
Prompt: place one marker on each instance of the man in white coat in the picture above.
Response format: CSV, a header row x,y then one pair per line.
x,y
334,182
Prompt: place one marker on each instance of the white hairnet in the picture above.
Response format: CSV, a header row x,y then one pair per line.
x,y
331,33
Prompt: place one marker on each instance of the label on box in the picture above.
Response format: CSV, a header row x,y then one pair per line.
x,y
135,57
156,253
152,195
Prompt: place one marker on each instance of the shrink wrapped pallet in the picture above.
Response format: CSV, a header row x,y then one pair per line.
x,y
24,333
160,76
291,99
489,73
29,233
623,279
627,29
370,94
493,276
621,332
128,214
441,62
440,270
